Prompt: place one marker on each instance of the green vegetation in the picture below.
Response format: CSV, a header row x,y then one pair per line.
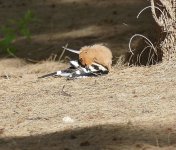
x,y
14,28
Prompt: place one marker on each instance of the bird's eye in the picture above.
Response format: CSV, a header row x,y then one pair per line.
x,y
82,62
80,59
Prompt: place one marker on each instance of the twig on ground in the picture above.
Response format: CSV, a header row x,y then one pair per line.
x,y
11,54
142,53
31,60
60,57
64,93
151,44
147,8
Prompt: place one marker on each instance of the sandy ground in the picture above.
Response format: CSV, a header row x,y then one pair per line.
x,y
130,108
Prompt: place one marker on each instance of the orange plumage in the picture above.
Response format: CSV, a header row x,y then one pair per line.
x,y
96,53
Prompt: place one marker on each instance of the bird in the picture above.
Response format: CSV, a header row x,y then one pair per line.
x,y
93,60
76,70
97,53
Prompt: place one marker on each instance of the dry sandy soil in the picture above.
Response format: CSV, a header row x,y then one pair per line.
x,y
132,108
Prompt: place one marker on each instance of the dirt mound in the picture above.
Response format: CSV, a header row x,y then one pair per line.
x,y
76,23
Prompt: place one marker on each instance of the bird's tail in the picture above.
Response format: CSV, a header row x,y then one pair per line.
x,y
48,75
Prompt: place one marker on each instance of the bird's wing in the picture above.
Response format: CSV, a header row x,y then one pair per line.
x,y
76,70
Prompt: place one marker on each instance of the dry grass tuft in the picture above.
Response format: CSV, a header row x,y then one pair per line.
x,y
17,67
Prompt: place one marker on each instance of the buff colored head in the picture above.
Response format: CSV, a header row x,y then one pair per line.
x,y
96,53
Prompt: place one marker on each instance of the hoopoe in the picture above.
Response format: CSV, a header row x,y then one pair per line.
x,y
96,54
93,61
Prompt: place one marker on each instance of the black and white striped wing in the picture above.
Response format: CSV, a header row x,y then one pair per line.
x,y
98,69
64,73
76,70
90,71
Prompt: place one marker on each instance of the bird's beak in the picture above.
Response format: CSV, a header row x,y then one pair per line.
x,y
71,50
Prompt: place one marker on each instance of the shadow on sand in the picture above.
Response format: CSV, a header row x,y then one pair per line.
x,y
101,137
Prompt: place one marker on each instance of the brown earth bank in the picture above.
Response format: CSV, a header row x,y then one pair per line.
x,y
76,23
130,108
